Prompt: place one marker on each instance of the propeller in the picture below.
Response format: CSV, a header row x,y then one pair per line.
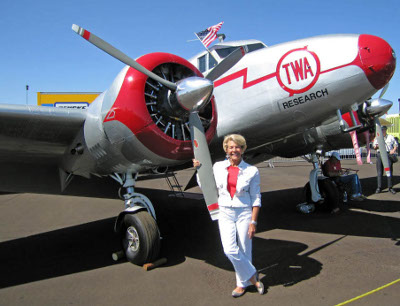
x,y
383,91
373,109
227,63
382,146
192,94
205,172
379,134
114,52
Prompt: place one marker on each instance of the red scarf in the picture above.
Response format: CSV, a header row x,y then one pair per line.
x,y
232,179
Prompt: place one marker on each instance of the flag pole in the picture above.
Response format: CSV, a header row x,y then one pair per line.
x,y
202,43
27,88
210,34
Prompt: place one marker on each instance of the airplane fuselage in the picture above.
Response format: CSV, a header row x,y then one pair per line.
x,y
283,99
293,87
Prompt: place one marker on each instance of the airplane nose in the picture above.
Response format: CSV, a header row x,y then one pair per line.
x,y
378,59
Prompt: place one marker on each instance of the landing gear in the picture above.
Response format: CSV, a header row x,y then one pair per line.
x,y
140,238
136,225
320,192
329,195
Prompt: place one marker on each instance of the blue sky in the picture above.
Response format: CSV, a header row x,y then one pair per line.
x,y
39,48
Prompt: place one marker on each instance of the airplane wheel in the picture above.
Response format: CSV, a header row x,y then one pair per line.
x,y
140,238
328,191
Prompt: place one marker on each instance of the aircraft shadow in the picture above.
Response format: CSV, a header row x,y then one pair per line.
x,y
61,252
187,231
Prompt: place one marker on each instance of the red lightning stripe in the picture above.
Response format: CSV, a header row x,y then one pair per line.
x,y
336,68
243,73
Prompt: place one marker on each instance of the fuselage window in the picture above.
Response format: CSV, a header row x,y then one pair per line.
x,y
202,63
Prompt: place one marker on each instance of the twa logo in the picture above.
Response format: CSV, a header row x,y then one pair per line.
x,y
298,70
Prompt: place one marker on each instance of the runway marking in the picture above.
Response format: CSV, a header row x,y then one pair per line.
x,y
368,293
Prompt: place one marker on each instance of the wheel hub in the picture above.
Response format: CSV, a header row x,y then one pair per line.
x,y
132,237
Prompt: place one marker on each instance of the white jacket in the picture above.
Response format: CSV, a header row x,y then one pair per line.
x,y
390,142
247,192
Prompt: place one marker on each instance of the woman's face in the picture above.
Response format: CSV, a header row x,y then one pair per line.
x,y
234,151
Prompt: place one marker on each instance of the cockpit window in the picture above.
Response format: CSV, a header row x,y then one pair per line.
x,y
212,62
226,51
202,63
222,53
254,47
207,61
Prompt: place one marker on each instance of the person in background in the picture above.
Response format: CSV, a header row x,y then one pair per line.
x,y
239,201
333,168
391,148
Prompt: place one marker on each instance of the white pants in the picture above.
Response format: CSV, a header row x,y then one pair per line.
x,y
233,228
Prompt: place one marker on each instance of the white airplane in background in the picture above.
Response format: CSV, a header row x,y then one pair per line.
x,y
286,100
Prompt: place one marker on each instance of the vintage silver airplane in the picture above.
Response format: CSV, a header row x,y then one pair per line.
x,y
286,100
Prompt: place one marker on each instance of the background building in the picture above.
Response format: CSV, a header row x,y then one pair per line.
x,y
395,128
79,100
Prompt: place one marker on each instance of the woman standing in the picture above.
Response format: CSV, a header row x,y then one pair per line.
x,y
239,201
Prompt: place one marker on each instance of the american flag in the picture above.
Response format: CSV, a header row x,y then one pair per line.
x,y
209,35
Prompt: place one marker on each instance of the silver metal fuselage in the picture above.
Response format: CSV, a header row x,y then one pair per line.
x,y
255,104
283,99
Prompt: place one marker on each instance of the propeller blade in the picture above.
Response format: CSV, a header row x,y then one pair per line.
x,y
227,63
382,146
383,91
205,171
106,47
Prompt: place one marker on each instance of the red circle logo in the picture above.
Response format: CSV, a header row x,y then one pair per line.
x,y
298,70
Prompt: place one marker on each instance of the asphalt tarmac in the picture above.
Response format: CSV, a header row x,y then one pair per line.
x,y
56,249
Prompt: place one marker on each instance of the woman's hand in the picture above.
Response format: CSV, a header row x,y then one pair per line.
x,y
196,163
252,230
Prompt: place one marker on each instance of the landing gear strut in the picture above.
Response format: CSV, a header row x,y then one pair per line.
x,y
136,225
320,191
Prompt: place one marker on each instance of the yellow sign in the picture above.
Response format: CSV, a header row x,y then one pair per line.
x,y
77,100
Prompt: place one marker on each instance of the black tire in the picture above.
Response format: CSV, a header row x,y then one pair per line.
x,y
140,238
328,191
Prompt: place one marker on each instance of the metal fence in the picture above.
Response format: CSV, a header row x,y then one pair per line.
x,y
345,154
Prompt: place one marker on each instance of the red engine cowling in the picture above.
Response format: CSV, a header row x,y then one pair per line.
x,y
142,106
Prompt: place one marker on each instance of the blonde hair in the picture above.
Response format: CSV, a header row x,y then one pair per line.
x,y
236,138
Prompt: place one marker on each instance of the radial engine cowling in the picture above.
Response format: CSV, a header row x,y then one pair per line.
x,y
140,123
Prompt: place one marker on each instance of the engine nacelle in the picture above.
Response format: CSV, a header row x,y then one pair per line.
x,y
133,125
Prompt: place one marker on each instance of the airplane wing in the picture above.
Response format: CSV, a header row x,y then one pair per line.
x,y
37,133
